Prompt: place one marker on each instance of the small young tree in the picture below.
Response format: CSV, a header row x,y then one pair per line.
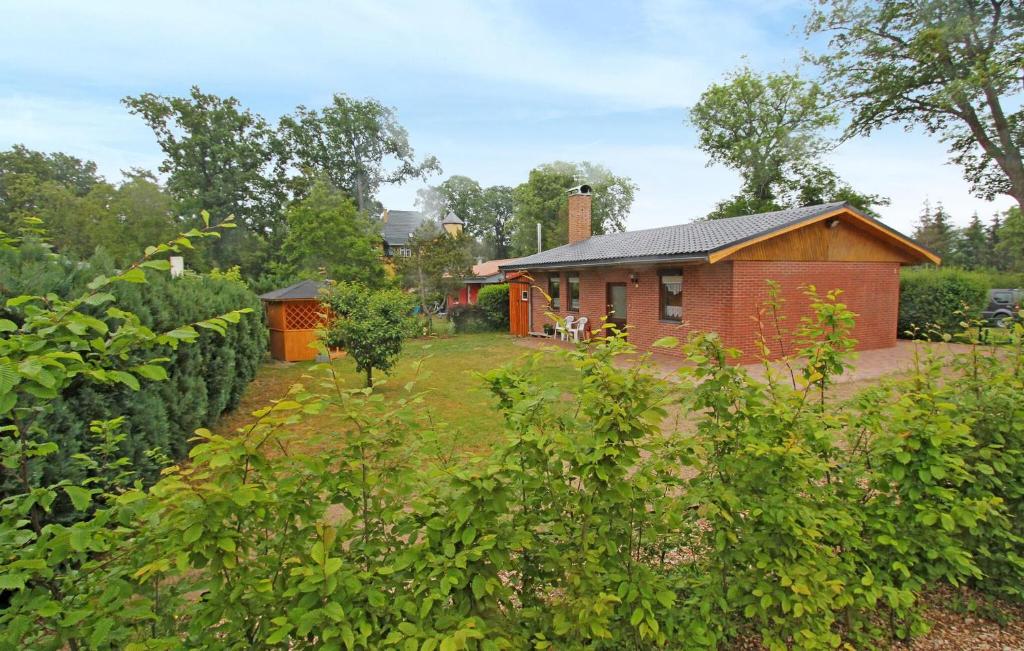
x,y
437,266
370,324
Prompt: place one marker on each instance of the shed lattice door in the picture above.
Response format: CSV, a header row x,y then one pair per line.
x,y
303,316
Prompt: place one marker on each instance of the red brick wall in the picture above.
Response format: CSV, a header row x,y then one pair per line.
x,y
579,217
725,298
706,289
870,289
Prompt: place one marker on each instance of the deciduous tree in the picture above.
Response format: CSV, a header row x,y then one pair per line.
x,y
769,128
951,66
437,265
369,324
327,234
542,199
222,158
356,144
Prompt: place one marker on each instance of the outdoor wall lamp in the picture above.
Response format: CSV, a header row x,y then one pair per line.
x,y
832,223
633,279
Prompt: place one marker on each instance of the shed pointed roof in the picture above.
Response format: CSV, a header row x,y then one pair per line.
x,y
306,289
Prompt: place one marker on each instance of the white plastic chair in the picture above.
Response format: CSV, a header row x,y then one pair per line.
x,y
578,328
562,328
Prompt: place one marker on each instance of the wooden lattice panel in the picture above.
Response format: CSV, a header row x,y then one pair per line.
x,y
307,315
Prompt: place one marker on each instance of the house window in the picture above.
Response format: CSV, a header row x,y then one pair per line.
x,y
574,291
671,295
555,291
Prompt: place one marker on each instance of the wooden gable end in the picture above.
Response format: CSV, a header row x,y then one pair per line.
x,y
852,239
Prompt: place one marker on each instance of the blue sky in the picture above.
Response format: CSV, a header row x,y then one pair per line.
x,y
491,88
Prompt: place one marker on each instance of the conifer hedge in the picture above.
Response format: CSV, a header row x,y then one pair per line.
x,y
204,380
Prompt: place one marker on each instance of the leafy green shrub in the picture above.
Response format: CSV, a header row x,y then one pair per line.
x,y
204,380
493,302
935,299
800,521
369,324
1003,279
468,319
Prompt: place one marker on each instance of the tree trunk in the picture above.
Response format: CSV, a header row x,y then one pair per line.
x,y
423,301
369,378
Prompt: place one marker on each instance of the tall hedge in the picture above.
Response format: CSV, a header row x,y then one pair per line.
x,y
493,302
205,379
935,297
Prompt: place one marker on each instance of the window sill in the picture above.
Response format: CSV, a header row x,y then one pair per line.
x,y
671,321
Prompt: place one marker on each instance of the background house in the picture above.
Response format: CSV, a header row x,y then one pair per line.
x,y
484,273
711,276
397,227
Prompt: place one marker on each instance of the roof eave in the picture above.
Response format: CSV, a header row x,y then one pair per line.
x,y
611,262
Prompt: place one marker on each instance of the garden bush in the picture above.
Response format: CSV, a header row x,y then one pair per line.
x,y
938,300
802,522
203,380
493,302
468,319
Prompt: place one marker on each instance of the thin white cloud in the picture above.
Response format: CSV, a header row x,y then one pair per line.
x,y
101,132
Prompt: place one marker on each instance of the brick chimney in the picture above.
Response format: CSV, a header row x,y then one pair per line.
x,y
579,214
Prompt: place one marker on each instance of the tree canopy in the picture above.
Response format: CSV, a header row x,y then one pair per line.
x,y
487,212
327,234
542,199
770,129
358,145
951,66
223,159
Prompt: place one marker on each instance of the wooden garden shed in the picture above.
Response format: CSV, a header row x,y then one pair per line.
x,y
294,314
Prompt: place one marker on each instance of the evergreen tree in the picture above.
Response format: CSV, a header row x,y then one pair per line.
x,y
993,239
1010,249
935,230
970,247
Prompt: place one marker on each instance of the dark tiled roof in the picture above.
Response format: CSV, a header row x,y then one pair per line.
x,y
400,224
693,240
302,290
452,219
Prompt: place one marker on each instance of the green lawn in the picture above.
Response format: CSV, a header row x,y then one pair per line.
x,y
447,368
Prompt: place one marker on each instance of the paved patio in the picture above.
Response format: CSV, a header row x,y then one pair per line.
x,y
868,365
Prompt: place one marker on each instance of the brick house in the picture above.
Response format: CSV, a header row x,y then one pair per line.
x,y
712,275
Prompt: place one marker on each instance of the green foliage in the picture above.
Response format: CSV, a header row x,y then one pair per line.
x,y
487,212
52,346
782,516
223,159
27,175
542,199
356,144
952,67
369,324
1009,251
203,380
769,129
326,234
938,299
436,267
493,302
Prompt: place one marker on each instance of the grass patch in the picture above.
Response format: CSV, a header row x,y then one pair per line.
x,y
447,368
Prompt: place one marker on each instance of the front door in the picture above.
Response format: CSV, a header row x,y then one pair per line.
x,y
617,304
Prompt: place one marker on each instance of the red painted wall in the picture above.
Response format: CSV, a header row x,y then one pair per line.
x,y
725,298
466,296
